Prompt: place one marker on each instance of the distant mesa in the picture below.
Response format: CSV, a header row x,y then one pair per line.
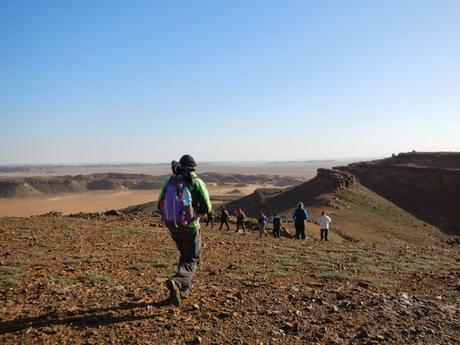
x,y
20,187
235,191
102,185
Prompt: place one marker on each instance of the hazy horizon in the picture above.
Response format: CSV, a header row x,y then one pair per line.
x,y
300,161
146,81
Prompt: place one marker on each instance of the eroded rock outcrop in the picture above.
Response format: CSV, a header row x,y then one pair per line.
x,y
422,184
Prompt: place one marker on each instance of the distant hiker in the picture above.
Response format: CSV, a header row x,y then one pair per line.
x,y
300,216
240,217
277,223
224,216
210,219
262,221
324,222
182,200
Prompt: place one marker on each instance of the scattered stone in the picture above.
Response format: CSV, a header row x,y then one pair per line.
x,y
340,295
197,340
224,315
112,213
363,285
362,333
118,288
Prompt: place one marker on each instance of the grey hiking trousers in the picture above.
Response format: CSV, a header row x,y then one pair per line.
x,y
188,243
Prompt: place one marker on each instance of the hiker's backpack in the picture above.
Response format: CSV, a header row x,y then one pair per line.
x,y
175,215
277,222
262,220
299,217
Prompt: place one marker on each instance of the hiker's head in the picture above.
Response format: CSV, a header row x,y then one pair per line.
x,y
187,162
323,213
185,165
300,205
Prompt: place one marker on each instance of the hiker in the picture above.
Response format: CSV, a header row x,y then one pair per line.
x,y
240,217
210,219
262,221
182,200
324,222
300,216
224,216
277,223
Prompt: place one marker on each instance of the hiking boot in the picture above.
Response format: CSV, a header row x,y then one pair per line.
x,y
184,294
174,292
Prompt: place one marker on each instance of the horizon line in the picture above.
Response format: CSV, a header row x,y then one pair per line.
x,y
202,162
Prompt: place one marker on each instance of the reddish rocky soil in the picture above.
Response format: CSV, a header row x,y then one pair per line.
x,y
99,280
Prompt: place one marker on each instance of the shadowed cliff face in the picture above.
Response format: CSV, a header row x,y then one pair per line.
x,y
431,194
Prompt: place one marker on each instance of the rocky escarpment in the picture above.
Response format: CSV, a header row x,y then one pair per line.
x,y
418,184
315,191
443,160
15,188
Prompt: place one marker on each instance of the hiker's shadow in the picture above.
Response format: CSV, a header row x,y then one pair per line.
x,y
82,318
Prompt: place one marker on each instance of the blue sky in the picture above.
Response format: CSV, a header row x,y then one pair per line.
x,y
126,81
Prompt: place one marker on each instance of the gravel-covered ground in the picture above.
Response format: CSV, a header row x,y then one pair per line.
x,y
101,280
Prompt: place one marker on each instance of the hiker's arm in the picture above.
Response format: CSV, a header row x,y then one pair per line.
x,y
305,215
204,202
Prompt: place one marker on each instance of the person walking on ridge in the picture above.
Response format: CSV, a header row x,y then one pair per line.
x,y
240,217
324,222
262,221
210,219
183,199
224,216
277,223
300,215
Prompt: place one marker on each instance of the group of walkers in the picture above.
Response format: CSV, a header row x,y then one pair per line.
x,y
184,199
299,216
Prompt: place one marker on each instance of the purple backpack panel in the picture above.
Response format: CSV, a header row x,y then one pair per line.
x,y
173,208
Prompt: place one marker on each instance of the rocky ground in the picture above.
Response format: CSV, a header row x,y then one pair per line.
x,y
100,280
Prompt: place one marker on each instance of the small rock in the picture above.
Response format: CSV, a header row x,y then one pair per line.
x,y
49,330
224,315
197,340
340,295
363,285
118,288
362,334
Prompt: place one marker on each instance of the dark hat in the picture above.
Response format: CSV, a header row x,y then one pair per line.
x,y
187,161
